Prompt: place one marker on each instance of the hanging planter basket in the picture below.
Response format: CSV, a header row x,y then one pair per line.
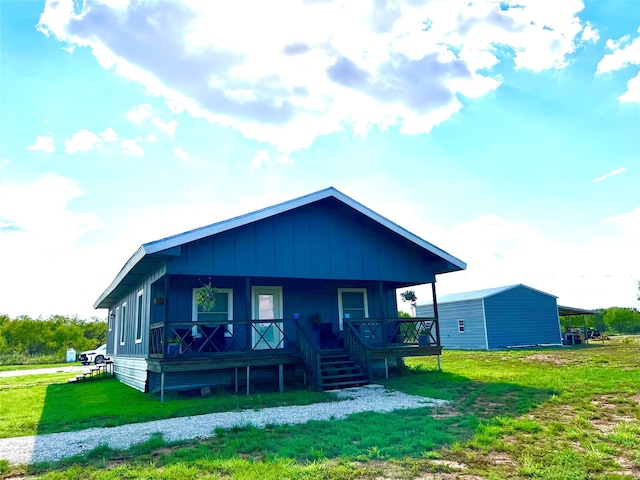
x,y
206,297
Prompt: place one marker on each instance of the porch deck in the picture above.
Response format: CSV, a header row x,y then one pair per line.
x,y
208,348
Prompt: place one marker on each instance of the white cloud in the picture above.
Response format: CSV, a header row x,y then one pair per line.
x,y
181,154
624,53
85,141
590,34
131,147
139,113
598,269
169,127
109,135
82,141
43,144
610,174
260,157
44,229
633,91
341,64
152,137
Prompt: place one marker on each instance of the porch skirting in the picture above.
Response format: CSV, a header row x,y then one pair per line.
x,y
131,371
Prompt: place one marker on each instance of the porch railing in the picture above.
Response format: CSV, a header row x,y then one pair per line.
x,y
361,336
385,332
175,339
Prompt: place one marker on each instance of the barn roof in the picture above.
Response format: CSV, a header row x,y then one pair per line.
x,y
151,255
482,294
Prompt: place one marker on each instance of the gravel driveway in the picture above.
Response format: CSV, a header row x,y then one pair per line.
x,y
56,446
40,371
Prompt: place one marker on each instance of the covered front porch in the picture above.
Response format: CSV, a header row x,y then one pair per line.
x,y
212,352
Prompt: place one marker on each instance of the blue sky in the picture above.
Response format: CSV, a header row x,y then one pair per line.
x,y
508,134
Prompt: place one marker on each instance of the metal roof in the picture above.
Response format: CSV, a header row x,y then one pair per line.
x,y
150,253
481,294
565,311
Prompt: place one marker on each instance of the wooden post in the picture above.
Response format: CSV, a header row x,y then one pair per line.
x,y
165,320
162,387
248,314
248,367
435,313
281,377
236,379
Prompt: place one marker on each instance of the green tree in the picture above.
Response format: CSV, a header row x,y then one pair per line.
x,y
622,320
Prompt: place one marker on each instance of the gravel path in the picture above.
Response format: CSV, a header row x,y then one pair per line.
x,y
56,446
39,371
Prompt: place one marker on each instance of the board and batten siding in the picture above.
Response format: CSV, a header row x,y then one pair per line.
x,y
522,317
324,240
131,348
473,337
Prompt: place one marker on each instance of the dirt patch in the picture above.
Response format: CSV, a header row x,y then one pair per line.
x,y
545,358
629,469
444,412
500,458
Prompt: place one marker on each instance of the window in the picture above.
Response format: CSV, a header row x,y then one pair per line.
x,y
123,322
461,326
112,316
352,303
139,317
221,313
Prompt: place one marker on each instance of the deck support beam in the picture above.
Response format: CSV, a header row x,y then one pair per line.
x,y
248,368
281,377
162,387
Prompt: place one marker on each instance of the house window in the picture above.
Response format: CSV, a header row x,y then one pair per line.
x,y
112,315
461,326
123,322
221,313
352,303
139,316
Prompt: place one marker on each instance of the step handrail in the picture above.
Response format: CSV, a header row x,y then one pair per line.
x,y
309,354
358,350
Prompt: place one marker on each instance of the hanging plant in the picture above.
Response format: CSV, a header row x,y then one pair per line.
x,y
206,296
409,296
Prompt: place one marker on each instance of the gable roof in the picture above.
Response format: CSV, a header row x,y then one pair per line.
x,y
150,255
482,294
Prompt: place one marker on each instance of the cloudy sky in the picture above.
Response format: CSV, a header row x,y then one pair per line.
x,y
506,133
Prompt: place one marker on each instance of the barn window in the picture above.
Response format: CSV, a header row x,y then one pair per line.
x,y
461,326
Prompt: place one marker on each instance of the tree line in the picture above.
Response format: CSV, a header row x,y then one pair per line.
x,y
24,337
610,320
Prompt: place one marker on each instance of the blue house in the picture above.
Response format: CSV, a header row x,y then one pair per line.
x,y
303,289
511,316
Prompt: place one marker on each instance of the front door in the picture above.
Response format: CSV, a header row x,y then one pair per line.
x,y
266,305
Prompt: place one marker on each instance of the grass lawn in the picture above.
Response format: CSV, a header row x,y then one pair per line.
x,y
555,413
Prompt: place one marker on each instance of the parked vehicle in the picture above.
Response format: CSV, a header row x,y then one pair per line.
x,y
99,355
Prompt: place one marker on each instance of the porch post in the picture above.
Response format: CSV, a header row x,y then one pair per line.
x,y
383,314
435,311
167,285
435,314
162,387
247,314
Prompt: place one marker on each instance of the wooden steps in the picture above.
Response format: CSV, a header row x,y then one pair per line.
x,y
339,371
96,371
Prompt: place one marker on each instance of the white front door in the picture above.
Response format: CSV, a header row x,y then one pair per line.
x,y
266,304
